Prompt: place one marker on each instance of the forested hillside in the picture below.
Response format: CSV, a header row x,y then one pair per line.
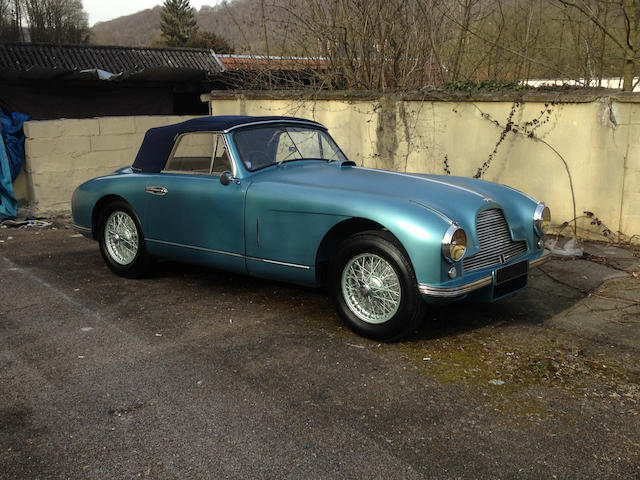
x,y
138,29
237,21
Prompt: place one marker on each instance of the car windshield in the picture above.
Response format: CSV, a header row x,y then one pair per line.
x,y
264,146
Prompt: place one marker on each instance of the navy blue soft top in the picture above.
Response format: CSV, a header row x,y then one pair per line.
x,y
158,142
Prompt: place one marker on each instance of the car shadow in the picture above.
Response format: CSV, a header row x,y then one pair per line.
x,y
553,288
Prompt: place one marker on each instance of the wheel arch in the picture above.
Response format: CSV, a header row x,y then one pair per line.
x,y
99,207
340,232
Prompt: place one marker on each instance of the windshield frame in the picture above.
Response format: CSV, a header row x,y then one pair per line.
x,y
286,128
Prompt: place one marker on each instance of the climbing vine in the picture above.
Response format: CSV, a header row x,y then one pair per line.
x,y
447,170
527,129
505,130
601,228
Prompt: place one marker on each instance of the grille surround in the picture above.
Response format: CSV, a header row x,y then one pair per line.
x,y
496,245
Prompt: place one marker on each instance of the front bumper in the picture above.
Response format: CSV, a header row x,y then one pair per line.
x,y
464,289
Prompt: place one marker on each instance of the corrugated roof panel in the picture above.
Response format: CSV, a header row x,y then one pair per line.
x,y
25,56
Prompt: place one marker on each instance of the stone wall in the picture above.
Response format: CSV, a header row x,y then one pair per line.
x,y
61,154
577,153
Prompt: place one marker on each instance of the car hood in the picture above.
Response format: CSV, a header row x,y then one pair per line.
x,y
456,199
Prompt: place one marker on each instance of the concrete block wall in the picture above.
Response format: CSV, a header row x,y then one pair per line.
x,y
595,144
61,154
591,145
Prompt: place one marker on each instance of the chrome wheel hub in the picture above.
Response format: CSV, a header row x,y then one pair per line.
x,y
121,238
371,288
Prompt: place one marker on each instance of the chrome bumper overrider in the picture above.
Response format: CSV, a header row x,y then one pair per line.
x,y
459,290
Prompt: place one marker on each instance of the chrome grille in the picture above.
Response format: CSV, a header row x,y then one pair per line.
x,y
496,246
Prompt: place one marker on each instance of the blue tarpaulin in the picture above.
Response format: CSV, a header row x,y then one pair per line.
x,y
11,154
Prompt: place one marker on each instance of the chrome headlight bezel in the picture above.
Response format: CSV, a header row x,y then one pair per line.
x,y
542,219
454,237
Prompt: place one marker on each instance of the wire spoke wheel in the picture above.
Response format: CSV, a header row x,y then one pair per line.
x,y
121,238
371,288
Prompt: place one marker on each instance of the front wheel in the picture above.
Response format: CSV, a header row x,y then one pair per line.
x,y
121,241
374,287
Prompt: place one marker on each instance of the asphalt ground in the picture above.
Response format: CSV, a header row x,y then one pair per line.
x,y
197,373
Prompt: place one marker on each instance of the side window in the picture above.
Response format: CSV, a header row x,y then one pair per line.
x,y
199,152
221,159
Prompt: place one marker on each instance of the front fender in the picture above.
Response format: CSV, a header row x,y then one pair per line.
x,y
290,224
420,231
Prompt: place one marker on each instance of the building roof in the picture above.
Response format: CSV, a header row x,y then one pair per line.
x,y
35,60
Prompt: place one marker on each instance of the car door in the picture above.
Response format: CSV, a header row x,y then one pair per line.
x,y
193,217
285,226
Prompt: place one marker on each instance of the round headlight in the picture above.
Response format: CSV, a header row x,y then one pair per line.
x,y
454,243
542,219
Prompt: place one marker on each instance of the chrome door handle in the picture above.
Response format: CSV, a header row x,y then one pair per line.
x,y
156,190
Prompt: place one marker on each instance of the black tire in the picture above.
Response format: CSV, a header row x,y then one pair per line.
x,y
136,262
379,248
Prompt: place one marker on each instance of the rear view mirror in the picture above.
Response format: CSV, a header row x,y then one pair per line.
x,y
226,177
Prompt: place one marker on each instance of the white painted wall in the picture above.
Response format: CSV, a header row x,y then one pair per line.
x,y
599,142
596,144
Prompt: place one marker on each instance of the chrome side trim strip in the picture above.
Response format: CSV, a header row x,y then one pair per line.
x,y
82,230
458,290
431,180
546,256
202,249
221,252
276,262
440,214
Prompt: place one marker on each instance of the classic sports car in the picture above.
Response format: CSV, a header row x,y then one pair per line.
x,y
275,197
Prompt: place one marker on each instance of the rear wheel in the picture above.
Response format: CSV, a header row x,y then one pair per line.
x,y
122,242
374,287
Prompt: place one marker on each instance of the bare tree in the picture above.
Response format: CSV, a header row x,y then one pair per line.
x,y
11,20
375,44
624,35
466,7
401,45
57,21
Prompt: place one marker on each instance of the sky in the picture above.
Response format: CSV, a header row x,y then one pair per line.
x,y
101,10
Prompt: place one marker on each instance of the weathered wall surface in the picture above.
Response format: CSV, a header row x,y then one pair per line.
x,y
582,156
582,152
61,154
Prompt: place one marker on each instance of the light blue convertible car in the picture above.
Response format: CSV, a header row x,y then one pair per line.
x,y
275,197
